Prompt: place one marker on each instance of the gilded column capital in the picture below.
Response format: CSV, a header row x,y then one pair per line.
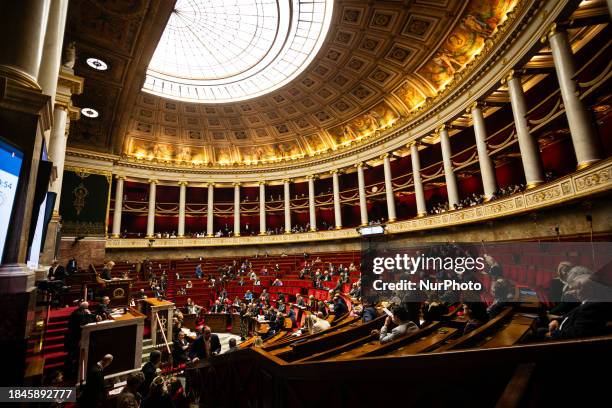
x,y
236,184
120,176
153,181
359,165
384,156
552,30
334,171
183,183
441,128
287,181
474,105
262,183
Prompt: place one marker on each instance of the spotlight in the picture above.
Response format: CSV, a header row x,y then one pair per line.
x,y
97,64
90,112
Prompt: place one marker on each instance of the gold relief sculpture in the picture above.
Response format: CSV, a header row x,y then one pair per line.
x,y
79,193
381,116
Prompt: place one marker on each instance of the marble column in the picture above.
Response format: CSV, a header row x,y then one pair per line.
x,y
151,213
528,146
116,232
363,204
210,210
287,197
391,216
449,173
52,49
262,208
487,169
311,203
337,204
236,209
23,28
182,202
587,145
416,177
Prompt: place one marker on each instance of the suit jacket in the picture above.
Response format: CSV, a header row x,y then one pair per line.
x,y
369,314
340,308
149,372
77,319
106,275
588,319
217,309
58,274
179,355
93,391
198,349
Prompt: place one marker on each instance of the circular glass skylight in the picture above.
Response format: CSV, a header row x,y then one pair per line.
x,y
229,50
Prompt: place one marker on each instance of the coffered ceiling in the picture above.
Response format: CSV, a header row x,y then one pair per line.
x,y
380,62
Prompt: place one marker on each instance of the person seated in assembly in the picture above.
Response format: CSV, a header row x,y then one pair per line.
x,y
198,271
369,312
299,301
102,309
569,299
188,285
404,325
205,345
590,318
495,270
313,324
142,294
340,308
277,282
106,271
56,271
502,291
218,307
476,314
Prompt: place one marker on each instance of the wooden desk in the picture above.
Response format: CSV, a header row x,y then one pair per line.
x,y
121,337
216,321
514,332
236,319
426,343
164,310
118,290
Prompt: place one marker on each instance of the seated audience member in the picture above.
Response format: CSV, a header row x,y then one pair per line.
x,y
129,396
106,271
321,308
405,325
232,346
248,296
314,324
569,299
369,312
179,349
198,271
93,392
501,290
206,345
102,309
277,282
158,396
476,314
56,271
494,268
188,285
142,294
218,307
149,370
555,289
340,308
590,318
299,301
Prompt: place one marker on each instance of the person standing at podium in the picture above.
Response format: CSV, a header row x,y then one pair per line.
x,y
106,271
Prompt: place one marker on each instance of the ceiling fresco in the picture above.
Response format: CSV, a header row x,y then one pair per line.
x,y
380,62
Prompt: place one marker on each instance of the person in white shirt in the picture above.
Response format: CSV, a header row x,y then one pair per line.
x,y
313,324
405,326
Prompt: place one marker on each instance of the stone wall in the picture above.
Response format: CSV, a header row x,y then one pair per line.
x,y
86,251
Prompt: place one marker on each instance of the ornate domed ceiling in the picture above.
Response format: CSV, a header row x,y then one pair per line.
x,y
380,61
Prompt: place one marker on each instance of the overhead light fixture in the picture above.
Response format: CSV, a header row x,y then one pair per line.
x,y
97,64
90,112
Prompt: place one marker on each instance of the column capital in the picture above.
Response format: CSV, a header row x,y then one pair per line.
x,y
552,30
209,184
236,184
359,165
442,127
334,171
120,176
262,183
508,76
416,143
152,181
475,105
311,177
287,181
183,183
384,156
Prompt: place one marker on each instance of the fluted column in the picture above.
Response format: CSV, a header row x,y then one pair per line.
x,y
311,203
363,204
57,149
487,169
418,183
210,210
118,207
287,197
530,153
151,214
236,209
449,172
337,204
584,135
182,201
23,28
52,49
391,216
262,208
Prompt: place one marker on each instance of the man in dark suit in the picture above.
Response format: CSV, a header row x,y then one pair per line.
x,y
150,371
93,394
339,306
217,307
56,271
102,309
179,349
206,345
71,266
78,318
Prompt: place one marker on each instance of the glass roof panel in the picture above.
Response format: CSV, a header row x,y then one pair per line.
x,y
216,51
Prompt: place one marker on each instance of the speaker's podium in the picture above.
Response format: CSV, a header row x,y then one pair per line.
x,y
159,317
120,336
118,290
